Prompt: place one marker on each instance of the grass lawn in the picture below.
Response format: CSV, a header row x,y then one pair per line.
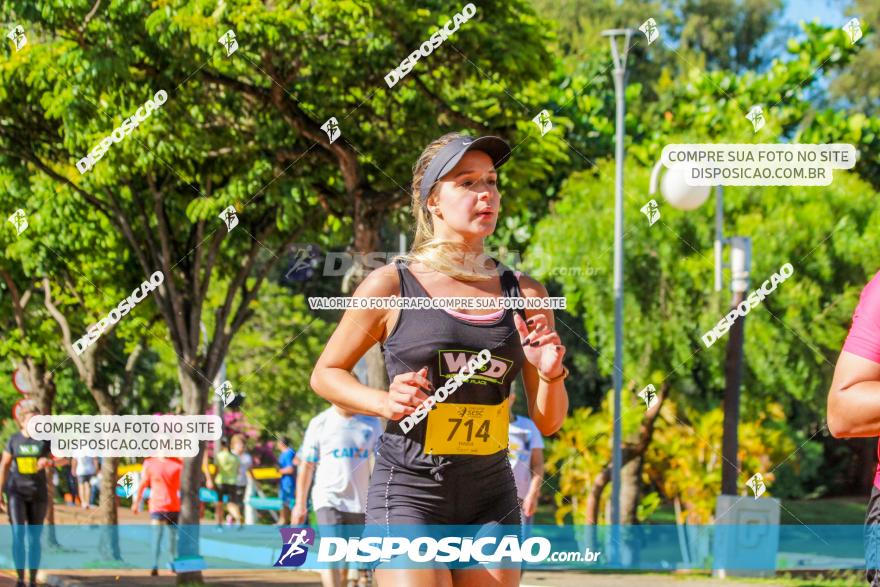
x,y
836,510
840,510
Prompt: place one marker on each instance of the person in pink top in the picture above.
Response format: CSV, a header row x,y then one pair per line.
x,y
854,403
162,476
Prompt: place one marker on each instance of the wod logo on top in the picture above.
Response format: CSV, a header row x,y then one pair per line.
x,y
295,547
453,361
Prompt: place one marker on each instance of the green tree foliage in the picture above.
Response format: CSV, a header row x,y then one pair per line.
x,y
683,462
271,361
685,457
244,130
669,298
858,87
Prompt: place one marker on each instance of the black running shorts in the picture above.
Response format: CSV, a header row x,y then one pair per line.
x,y
473,493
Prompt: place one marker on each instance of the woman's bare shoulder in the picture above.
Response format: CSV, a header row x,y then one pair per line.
x,y
531,287
381,282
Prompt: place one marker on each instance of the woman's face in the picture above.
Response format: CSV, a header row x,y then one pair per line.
x,y
466,200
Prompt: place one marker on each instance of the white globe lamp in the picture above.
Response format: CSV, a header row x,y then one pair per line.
x,y
679,194
676,191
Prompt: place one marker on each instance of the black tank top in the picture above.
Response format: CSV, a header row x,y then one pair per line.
x,y
435,339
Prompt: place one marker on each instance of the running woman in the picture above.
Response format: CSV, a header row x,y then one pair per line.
x,y
854,403
452,466
23,478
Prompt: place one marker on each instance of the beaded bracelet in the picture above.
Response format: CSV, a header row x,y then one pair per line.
x,y
562,375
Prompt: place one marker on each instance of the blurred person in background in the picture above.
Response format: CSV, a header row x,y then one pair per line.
x,y
244,481
84,468
225,480
23,481
96,484
526,454
336,452
287,464
162,476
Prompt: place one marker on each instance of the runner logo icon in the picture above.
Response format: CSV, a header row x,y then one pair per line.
x,y
295,547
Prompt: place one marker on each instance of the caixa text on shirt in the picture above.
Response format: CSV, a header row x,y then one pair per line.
x,y
350,453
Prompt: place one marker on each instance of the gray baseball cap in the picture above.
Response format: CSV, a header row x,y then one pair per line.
x,y
449,156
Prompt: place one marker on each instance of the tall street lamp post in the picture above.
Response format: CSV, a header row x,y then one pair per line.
x,y
619,56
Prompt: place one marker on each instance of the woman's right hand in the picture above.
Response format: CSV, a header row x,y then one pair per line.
x,y
405,394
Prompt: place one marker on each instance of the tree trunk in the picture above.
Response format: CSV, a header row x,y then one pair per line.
x,y
630,489
595,495
630,471
108,546
194,390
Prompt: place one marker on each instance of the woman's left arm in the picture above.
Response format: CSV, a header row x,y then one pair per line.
x,y
543,373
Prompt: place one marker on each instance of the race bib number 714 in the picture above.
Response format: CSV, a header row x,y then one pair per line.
x,y
466,429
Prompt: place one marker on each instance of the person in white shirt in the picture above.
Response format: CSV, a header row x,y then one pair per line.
x,y
84,468
336,452
526,450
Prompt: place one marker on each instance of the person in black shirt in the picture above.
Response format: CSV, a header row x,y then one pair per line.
x,y
23,479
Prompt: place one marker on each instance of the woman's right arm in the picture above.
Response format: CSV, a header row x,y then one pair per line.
x,y
357,332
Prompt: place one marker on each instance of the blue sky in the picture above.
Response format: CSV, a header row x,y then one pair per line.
x,y
827,11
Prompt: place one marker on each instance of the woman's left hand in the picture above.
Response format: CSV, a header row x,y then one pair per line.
x,y
541,344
